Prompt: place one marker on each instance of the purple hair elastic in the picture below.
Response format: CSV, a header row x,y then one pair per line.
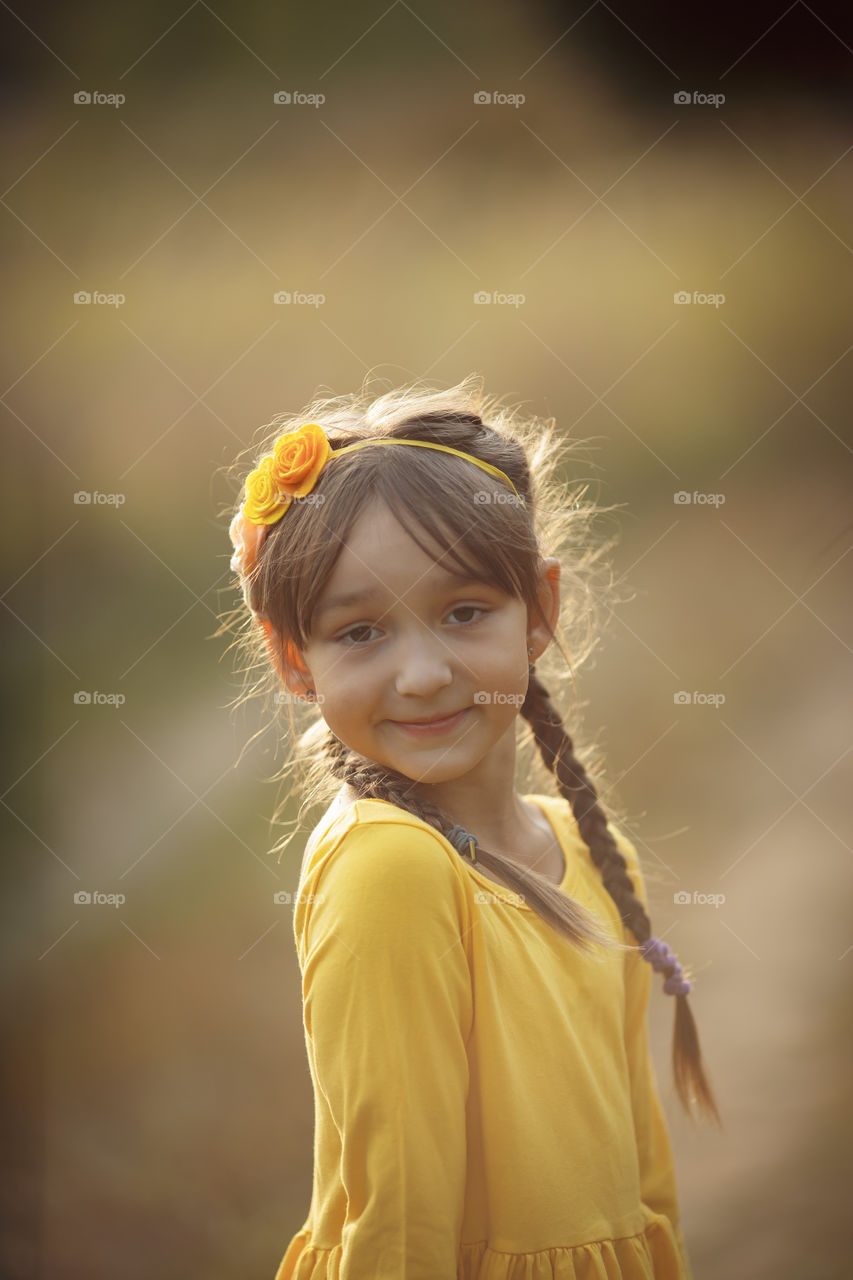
x,y
661,958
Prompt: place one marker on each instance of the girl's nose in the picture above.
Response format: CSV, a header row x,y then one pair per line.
x,y
423,667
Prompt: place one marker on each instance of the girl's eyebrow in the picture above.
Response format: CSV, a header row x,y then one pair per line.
x,y
370,595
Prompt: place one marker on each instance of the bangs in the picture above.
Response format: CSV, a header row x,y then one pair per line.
x,y
486,540
457,545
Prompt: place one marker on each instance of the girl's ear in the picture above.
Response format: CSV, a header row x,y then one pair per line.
x,y
540,628
286,659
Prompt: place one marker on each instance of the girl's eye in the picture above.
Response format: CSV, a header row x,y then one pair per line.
x,y
357,635
465,612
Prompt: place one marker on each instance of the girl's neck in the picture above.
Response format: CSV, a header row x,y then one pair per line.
x,y
484,801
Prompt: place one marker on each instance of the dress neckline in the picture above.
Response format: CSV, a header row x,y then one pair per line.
x,y
552,808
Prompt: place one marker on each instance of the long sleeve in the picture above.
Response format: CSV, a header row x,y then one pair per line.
x,y
654,1150
388,1008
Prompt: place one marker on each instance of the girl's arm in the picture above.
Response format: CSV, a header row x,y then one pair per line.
x,y
654,1151
388,1007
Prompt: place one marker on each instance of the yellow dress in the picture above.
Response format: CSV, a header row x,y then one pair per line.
x,y
485,1104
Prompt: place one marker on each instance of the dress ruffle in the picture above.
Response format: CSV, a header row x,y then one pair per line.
x,y
653,1254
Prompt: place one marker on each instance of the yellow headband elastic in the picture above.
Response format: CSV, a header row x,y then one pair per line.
x,y
428,444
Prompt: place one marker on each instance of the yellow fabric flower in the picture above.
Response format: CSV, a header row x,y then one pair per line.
x,y
298,458
265,503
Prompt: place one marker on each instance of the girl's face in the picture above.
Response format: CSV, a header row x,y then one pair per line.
x,y
415,667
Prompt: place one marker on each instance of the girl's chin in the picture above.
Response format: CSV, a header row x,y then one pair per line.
x,y
444,770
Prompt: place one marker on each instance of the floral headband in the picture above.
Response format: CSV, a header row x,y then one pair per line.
x,y
290,472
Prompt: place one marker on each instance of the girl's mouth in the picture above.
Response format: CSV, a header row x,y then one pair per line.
x,y
432,727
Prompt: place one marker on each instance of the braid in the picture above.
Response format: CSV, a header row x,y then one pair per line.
x,y
573,783
557,751
373,782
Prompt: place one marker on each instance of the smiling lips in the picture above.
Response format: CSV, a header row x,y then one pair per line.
x,y
432,727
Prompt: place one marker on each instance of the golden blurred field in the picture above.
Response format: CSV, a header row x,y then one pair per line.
x,y
160,1108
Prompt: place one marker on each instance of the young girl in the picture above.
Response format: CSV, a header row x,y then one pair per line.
x,y
476,963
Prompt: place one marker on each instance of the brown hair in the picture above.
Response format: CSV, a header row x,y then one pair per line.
x,y
476,529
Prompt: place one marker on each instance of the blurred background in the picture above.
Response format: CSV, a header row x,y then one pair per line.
x,y
636,221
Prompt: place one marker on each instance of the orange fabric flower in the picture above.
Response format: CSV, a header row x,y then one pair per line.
x,y
298,458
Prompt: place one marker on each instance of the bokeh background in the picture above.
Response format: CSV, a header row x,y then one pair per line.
x,y
158,1104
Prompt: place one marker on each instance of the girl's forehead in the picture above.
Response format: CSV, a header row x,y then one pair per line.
x,y
378,547
378,541
380,558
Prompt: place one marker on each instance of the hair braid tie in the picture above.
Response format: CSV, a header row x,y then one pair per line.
x,y
463,842
663,960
